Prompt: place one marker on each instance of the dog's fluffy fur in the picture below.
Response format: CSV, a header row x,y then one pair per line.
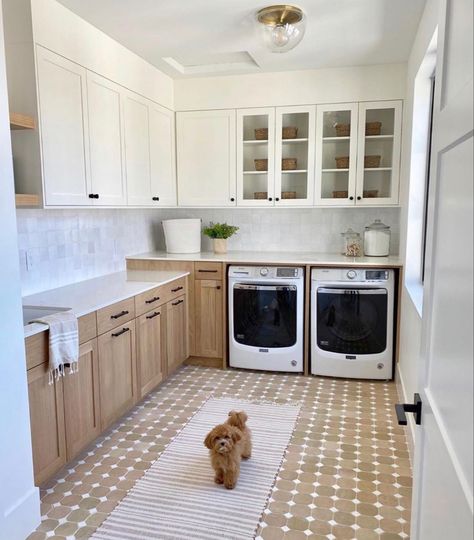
x,y
228,443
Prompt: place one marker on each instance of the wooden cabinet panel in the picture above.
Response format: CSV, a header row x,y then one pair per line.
x,y
81,401
207,270
47,423
150,351
176,333
118,313
87,327
208,317
117,372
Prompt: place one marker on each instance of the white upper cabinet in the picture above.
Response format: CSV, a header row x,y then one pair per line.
x,y
62,98
162,155
294,156
104,99
256,157
206,148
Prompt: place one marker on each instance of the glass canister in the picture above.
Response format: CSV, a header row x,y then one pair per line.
x,y
351,243
377,239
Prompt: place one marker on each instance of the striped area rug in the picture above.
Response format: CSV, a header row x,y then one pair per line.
x,y
177,497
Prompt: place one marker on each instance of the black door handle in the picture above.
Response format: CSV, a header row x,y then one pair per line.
x,y
153,315
155,198
154,299
123,331
118,315
415,408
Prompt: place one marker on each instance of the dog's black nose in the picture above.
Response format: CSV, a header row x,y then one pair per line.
x,y
222,443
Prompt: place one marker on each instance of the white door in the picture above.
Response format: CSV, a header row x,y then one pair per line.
x,y
137,150
256,157
294,155
162,155
206,148
443,466
106,141
378,153
62,97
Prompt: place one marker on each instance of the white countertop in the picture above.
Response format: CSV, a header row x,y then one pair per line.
x,y
273,257
87,296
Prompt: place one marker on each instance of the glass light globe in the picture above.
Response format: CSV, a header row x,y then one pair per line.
x,y
281,28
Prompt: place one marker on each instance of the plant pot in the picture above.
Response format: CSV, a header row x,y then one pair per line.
x,y
220,245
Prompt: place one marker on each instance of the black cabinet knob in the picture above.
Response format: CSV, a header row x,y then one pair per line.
x,y
155,198
93,195
359,198
232,199
270,199
277,199
351,198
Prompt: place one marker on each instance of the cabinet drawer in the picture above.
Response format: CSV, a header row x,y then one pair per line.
x,y
115,315
174,289
207,270
150,299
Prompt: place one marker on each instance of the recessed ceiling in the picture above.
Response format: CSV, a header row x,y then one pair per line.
x,y
189,38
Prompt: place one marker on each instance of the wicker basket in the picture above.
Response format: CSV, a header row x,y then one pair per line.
x,y
342,162
372,162
340,194
373,128
289,132
343,130
288,194
261,164
370,193
260,195
288,164
261,134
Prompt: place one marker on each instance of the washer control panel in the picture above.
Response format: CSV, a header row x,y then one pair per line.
x,y
266,272
359,275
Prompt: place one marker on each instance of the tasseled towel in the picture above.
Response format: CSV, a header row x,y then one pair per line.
x,y
63,343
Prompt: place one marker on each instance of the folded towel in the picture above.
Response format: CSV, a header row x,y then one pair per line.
x,y
63,343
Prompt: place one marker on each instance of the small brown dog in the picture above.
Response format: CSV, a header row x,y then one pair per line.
x,y
228,443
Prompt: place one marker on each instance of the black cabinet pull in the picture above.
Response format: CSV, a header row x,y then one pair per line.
x,y
232,199
415,408
118,315
155,198
177,289
93,195
153,315
277,199
270,199
209,271
218,287
351,198
154,299
176,303
359,198
117,334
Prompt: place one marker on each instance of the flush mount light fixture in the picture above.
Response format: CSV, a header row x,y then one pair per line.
x,y
281,27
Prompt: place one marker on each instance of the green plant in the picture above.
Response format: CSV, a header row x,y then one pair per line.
x,y
220,230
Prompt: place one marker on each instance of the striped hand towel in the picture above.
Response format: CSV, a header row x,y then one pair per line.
x,y
63,343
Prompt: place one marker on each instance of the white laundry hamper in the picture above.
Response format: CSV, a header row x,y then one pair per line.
x,y
182,235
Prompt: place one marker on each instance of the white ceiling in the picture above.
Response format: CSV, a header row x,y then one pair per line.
x,y
204,37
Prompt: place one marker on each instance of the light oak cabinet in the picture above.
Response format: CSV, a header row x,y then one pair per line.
x,y
208,296
176,333
150,351
117,372
81,401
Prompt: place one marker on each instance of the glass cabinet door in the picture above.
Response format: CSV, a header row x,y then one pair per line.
x,y
294,156
378,158
336,154
255,156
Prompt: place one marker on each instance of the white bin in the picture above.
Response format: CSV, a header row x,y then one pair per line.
x,y
182,235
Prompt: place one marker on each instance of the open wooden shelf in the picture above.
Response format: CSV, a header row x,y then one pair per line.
x,y
23,199
21,121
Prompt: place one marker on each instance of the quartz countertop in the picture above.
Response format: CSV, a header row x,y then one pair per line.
x,y
87,296
273,257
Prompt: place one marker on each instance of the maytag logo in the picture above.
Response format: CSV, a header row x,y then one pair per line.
x,y
262,350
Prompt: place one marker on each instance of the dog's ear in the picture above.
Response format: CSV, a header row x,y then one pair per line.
x,y
235,434
242,416
232,413
209,440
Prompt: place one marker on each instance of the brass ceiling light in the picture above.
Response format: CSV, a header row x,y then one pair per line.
x,y
281,27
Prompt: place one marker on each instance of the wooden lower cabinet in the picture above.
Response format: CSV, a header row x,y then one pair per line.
x,y
117,372
47,423
208,297
81,401
176,333
150,350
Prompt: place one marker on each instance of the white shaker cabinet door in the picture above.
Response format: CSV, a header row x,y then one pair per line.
x,y
62,100
206,151
106,135
162,156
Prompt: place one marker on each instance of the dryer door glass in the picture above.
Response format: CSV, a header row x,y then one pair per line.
x,y
265,315
352,321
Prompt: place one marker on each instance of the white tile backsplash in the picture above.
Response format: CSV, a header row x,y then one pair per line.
x,y
65,246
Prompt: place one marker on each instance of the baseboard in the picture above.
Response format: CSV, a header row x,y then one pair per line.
x,y
204,361
23,517
406,399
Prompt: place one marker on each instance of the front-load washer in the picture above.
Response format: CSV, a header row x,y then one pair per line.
x,y
352,313
266,313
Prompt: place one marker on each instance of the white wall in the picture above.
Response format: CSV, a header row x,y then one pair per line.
x,y
410,334
19,499
336,85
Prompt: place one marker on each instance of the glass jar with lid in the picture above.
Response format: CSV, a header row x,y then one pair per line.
x,y
377,239
351,243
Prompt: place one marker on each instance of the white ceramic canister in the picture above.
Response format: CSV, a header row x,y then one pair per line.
x,y
377,239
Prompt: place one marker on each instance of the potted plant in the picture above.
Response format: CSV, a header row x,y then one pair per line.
x,y
219,232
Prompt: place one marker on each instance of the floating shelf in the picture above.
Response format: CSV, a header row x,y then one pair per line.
x,y
255,172
329,139
294,140
21,121
263,141
335,170
378,169
23,199
295,172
